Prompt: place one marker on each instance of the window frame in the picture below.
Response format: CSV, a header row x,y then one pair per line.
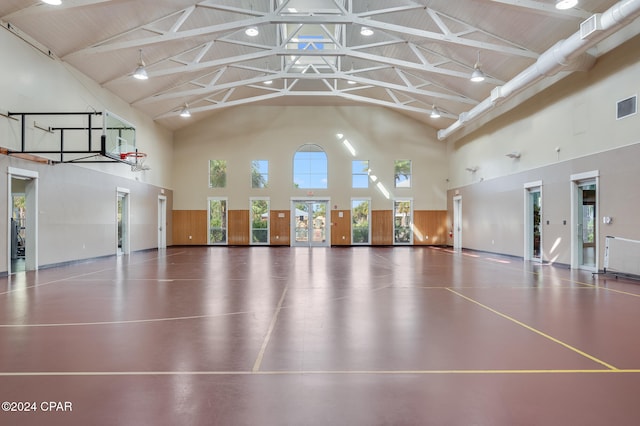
x,y
409,226
408,179
353,242
264,175
224,228
251,222
366,173
225,175
308,175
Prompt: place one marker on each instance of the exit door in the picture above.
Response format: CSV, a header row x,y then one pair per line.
x,y
309,223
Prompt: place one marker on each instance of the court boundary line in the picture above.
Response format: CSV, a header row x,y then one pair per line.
x,y
267,338
530,328
312,372
595,286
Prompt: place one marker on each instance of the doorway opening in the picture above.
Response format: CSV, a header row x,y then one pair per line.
x,y
309,223
162,222
584,211
533,222
22,224
122,217
457,223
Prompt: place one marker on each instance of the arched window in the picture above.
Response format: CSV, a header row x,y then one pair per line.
x,y
310,167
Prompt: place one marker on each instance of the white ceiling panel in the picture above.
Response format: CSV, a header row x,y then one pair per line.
x,y
420,53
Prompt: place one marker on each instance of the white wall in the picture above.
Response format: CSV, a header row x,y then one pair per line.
x,y
77,204
248,133
30,81
577,115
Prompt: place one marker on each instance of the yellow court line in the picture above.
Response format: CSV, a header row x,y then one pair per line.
x,y
553,339
305,372
561,279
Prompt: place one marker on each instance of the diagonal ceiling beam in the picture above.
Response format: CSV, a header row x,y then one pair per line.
x,y
273,18
205,90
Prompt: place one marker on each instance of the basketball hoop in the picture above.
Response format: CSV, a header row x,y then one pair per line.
x,y
133,155
136,159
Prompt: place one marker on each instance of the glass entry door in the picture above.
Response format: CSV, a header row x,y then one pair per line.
x,y
586,225
309,224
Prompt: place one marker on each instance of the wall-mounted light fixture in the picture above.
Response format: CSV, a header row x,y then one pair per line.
x,y
472,169
515,155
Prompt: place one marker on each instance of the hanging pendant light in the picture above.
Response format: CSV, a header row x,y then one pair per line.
x,y
140,73
477,75
185,113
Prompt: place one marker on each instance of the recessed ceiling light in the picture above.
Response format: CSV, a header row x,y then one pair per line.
x,y
566,4
252,31
366,31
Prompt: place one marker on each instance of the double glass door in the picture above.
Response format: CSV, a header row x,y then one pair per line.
x,y
309,224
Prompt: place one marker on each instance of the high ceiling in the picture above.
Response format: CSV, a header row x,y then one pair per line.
x,y
420,53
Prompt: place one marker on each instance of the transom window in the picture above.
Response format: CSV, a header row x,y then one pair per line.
x,y
402,173
259,173
310,167
360,174
217,173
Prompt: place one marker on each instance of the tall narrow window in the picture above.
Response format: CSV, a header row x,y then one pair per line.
x,y
259,221
402,173
217,173
259,173
360,174
310,167
217,220
360,221
403,222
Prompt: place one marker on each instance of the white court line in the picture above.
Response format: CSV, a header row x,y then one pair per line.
x,y
267,338
72,324
74,277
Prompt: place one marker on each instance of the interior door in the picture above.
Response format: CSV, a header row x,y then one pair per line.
x,y
457,223
162,222
533,224
586,226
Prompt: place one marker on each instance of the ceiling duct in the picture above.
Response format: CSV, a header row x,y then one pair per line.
x,y
566,55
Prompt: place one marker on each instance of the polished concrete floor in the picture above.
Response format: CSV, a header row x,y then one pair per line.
x,y
322,336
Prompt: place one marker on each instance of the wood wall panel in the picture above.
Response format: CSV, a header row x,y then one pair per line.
x,y
381,227
430,227
340,228
280,227
189,227
238,228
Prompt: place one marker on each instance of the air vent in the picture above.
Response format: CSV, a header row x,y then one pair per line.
x,y
627,107
590,26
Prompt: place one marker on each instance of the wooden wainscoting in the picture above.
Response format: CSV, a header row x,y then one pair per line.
x,y
340,228
238,228
381,227
189,227
280,227
430,227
